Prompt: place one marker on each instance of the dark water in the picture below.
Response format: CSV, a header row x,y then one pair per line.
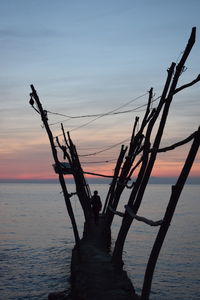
x,y
36,242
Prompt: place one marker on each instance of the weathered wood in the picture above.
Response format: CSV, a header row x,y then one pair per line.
x,y
175,194
115,212
133,134
127,220
82,188
110,195
178,144
136,217
95,277
135,145
148,163
165,115
55,156
142,219
187,85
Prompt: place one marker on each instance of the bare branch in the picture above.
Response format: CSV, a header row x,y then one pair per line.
x,y
187,85
172,147
142,219
44,118
135,167
110,194
133,133
64,150
187,50
64,135
175,194
144,122
130,186
115,212
138,218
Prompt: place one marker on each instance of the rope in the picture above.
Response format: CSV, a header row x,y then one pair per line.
x,y
97,115
108,113
103,150
97,174
97,162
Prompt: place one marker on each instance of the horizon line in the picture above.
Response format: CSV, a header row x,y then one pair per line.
x,y
152,180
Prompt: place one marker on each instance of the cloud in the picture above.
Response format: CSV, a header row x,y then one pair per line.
x,y
30,34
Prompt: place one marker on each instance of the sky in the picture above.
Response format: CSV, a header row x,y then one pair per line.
x,y
91,57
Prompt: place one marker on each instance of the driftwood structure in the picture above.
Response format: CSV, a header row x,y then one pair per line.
x,y
97,273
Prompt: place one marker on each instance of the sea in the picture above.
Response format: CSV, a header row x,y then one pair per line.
x,y
36,240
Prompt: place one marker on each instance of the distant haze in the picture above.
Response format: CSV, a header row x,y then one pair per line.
x,y
153,180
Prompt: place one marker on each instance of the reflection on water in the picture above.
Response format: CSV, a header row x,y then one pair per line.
x,y
36,242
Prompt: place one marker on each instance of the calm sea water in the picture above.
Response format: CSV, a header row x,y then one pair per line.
x,y
36,242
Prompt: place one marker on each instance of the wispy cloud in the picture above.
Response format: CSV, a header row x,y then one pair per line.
x,y
31,33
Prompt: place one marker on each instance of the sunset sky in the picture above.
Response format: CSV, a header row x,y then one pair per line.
x,y
86,58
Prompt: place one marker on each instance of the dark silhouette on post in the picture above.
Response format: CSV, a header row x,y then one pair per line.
x,y
96,206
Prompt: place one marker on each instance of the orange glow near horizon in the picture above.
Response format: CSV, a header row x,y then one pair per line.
x,y
34,161
32,171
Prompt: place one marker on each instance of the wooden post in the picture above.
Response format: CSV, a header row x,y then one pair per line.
x,y
148,162
44,118
176,191
82,187
110,194
163,120
135,144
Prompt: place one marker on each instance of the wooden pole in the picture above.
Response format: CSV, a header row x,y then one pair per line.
x,y
135,144
82,187
127,220
110,194
44,118
148,163
176,191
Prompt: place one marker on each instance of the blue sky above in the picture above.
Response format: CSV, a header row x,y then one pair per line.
x,y
88,57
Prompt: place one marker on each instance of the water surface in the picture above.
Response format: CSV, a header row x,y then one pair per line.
x,y
36,241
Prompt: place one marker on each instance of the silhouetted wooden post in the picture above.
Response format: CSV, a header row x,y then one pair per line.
x,y
176,191
163,120
134,148
148,162
127,219
110,194
82,188
43,114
